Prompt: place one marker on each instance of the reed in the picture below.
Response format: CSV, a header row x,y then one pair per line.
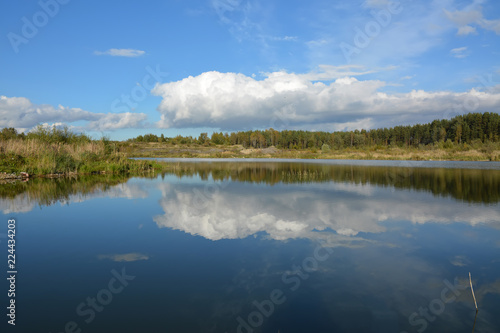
x,y
42,155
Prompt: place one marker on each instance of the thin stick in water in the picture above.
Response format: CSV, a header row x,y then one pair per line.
x,y
472,290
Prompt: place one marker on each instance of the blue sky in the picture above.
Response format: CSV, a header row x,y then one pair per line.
x,y
124,68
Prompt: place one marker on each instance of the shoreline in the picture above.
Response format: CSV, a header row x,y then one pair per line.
x,y
158,150
23,176
132,158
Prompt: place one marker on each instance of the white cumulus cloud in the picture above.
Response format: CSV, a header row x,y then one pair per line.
x,y
21,113
234,101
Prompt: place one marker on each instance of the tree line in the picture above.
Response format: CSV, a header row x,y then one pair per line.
x,y
463,129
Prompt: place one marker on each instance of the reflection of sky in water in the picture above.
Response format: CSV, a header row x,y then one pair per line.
x,y
236,210
391,251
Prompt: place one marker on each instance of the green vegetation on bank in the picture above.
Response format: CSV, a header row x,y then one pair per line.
x,y
48,151
472,137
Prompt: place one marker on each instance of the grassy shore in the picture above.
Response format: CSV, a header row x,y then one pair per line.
x,y
44,158
477,152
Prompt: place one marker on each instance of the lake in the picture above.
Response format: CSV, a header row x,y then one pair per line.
x,y
259,246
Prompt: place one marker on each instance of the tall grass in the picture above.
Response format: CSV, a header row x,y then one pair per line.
x,y
55,151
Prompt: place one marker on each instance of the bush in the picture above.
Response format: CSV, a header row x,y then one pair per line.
x,y
8,133
11,162
488,148
325,148
476,143
65,162
448,144
57,135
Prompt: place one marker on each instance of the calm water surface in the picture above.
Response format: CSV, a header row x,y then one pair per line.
x,y
259,246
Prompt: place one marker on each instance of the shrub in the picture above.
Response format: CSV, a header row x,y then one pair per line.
x,y
448,144
11,162
57,135
65,162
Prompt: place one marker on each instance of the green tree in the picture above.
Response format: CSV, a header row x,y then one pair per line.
x,y
203,138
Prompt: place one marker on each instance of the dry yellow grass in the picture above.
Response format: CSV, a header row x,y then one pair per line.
x,y
36,148
391,153
436,154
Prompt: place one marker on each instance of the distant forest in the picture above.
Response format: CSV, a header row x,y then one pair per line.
x,y
471,128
